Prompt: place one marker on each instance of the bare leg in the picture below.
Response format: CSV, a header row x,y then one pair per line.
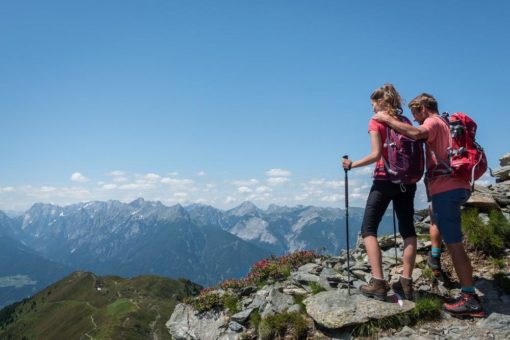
x,y
374,256
435,235
409,256
461,263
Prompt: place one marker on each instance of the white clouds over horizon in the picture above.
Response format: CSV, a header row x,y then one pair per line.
x,y
221,193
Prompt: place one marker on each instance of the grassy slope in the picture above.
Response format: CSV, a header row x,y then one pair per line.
x,y
74,307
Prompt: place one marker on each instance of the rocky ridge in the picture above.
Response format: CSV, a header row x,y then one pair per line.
x,y
316,289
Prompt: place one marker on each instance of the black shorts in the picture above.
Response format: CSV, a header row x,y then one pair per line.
x,y
381,194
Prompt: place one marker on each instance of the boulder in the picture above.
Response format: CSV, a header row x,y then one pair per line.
x,y
242,316
185,324
505,160
304,278
276,303
481,202
502,174
496,321
336,309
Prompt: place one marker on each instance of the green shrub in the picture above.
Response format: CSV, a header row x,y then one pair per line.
x,y
278,268
316,288
210,299
255,319
498,263
427,308
206,301
428,274
298,299
282,325
490,238
231,302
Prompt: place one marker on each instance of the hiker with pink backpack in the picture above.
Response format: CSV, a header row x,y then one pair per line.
x,y
454,160
399,166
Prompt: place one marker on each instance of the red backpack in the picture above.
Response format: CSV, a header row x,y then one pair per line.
x,y
467,159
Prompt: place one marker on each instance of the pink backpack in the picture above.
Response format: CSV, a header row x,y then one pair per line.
x,y
406,162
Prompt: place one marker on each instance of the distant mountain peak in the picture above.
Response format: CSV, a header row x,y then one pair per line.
x,y
245,208
139,202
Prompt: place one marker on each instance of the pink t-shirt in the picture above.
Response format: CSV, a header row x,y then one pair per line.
x,y
438,141
373,125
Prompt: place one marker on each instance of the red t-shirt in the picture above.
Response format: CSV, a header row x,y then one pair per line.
x,y
438,141
373,125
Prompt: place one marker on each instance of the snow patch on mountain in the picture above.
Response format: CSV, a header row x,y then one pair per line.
x,y
254,229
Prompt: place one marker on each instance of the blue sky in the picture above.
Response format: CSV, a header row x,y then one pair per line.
x,y
220,102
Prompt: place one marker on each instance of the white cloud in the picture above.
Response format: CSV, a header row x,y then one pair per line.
x,y
173,174
331,198
78,177
263,189
244,190
277,180
133,186
175,181
180,195
245,183
278,173
301,198
201,173
47,189
328,184
7,189
117,173
366,170
110,186
151,177
230,200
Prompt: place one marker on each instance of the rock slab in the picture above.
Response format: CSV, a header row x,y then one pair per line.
x,y
336,309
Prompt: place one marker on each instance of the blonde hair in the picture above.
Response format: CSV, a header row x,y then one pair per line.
x,y
388,96
426,100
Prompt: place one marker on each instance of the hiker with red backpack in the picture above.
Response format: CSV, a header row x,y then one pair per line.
x,y
399,165
451,171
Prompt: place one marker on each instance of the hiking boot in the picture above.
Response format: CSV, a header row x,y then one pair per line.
x,y
376,288
434,263
465,305
404,288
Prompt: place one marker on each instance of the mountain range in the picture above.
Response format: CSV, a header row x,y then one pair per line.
x,y
199,242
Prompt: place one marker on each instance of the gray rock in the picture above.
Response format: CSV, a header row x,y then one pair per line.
x,y
234,326
304,278
417,272
259,299
242,316
277,303
185,324
502,174
360,274
336,309
295,308
505,160
293,290
496,321
483,203
230,336
424,288
310,268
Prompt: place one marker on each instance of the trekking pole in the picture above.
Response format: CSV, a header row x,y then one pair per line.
x,y
347,227
395,233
